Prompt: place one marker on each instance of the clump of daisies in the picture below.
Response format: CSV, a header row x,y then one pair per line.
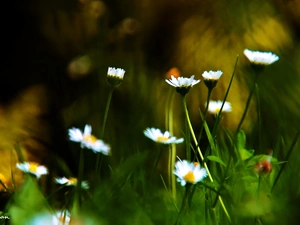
x,y
182,84
189,172
87,140
156,135
32,168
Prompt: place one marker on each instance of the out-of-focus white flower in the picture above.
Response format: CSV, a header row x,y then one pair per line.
x,y
32,168
260,58
182,84
212,75
164,138
88,140
188,172
61,218
71,182
214,107
115,76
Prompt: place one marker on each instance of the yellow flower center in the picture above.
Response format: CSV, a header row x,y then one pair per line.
x,y
189,177
33,167
90,138
217,110
162,139
73,181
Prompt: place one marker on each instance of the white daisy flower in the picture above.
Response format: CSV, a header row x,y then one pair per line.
x,y
260,58
71,182
115,76
187,172
182,82
32,168
214,107
212,75
164,138
88,140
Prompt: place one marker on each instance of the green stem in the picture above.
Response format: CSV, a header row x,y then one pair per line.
x,y
201,156
183,204
103,126
258,117
205,112
80,176
225,98
187,133
247,105
172,147
286,159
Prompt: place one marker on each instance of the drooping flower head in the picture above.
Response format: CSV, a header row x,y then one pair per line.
x,y
115,76
164,138
71,182
188,172
88,140
182,84
214,107
264,166
259,59
32,168
211,78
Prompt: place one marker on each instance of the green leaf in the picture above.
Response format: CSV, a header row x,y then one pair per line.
x,y
246,154
241,140
27,202
216,159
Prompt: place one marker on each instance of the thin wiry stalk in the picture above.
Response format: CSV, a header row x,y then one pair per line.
x,y
201,155
286,159
225,98
98,163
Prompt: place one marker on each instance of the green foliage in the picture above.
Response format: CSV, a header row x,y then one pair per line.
x,y
241,143
28,202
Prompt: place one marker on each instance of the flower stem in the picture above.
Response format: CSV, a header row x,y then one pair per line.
x,y
80,176
201,155
258,117
187,133
205,112
172,147
183,203
247,104
103,126
225,98
286,159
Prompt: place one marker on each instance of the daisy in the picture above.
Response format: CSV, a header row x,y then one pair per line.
x,y
115,76
187,172
88,140
71,182
260,58
182,84
212,75
211,78
164,138
214,107
32,168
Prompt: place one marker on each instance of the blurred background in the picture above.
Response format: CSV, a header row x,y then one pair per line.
x,y
55,55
